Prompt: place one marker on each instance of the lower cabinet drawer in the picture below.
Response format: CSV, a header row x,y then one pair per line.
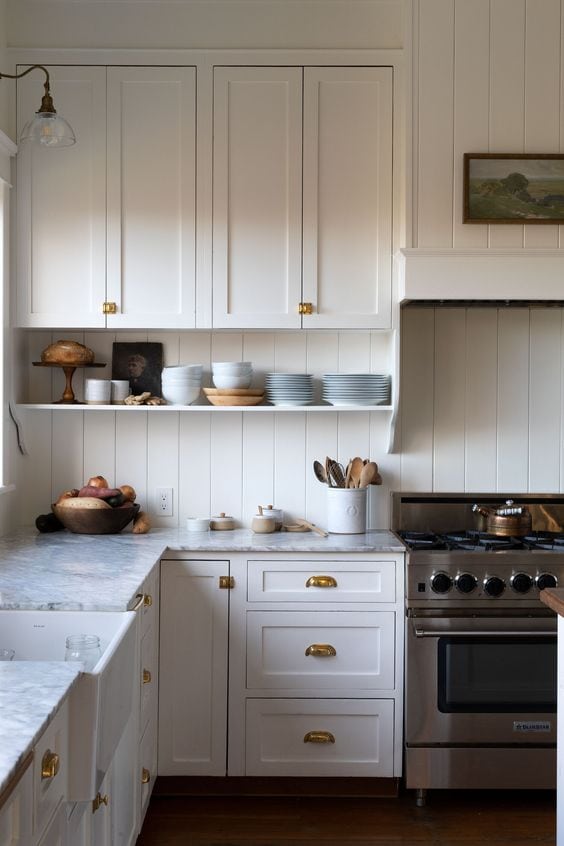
x,y
321,737
320,650
50,763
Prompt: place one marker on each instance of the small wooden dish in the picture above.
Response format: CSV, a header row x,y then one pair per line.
x,y
235,396
295,527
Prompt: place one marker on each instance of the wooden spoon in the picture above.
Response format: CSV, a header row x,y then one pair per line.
x,y
355,471
367,474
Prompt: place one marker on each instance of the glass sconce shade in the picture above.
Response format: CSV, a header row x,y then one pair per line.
x,y
49,130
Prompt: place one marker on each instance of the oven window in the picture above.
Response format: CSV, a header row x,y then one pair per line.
x,y
511,674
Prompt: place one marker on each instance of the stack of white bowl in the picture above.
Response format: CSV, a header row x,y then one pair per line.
x,y
227,375
181,384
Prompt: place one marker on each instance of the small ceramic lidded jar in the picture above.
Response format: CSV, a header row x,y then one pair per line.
x,y
277,515
261,524
222,522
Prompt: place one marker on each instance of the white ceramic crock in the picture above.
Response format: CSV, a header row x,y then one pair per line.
x,y
346,511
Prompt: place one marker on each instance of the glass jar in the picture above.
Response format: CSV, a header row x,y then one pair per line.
x,y
85,648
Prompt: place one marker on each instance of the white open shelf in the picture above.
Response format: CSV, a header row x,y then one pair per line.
x,y
285,409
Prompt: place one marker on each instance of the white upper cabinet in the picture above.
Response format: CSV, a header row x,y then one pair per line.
x,y
347,197
151,197
61,205
112,219
313,138
257,201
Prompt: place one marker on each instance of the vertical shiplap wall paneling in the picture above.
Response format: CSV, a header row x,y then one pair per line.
x,y
471,104
449,399
67,448
507,95
513,401
542,94
259,349
34,489
171,346
389,465
417,404
545,401
194,483
290,352
354,352
321,440
100,448
481,399
39,386
290,465
322,357
258,463
131,453
226,463
162,462
435,131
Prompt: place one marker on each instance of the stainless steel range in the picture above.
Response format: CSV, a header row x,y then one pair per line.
x,y
480,645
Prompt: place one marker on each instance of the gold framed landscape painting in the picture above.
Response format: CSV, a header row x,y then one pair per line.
x,y
513,188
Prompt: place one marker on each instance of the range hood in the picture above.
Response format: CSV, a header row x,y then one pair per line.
x,y
481,277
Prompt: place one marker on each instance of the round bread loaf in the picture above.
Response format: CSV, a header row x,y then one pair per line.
x,y
67,352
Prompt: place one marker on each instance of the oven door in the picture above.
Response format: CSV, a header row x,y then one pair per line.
x,y
480,679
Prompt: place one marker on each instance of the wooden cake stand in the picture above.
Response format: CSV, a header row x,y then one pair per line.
x,y
68,397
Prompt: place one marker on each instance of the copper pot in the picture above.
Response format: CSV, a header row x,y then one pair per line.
x,y
508,520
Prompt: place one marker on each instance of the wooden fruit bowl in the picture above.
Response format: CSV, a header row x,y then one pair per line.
x,y
94,521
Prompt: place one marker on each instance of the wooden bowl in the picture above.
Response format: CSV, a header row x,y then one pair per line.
x,y
94,521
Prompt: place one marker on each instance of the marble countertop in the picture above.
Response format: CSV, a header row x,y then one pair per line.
x,y
31,692
63,571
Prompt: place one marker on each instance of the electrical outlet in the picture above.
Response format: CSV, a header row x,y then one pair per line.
x,y
164,502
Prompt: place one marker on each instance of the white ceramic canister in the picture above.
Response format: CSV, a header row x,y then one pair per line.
x,y
346,511
120,390
97,391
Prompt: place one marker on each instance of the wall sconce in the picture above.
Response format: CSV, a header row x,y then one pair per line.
x,y
46,127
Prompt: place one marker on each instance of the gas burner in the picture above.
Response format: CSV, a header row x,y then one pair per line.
x,y
475,541
552,541
422,540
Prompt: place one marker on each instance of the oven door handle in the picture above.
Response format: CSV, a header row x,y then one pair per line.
x,y
482,633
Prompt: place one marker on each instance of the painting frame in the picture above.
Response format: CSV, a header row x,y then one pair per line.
x,y
489,195
141,363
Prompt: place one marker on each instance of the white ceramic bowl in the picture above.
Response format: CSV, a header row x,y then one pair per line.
x,y
183,370
197,524
232,368
181,380
223,382
180,395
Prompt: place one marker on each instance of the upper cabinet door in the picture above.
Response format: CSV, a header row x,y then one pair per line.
x,y
61,205
347,226
257,172
151,196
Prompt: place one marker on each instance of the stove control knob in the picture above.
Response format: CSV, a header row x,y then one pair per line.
x,y
521,582
441,583
466,582
494,586
546,580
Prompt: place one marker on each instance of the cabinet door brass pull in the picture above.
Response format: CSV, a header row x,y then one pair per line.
x,y
319,737
305,308
321,650
226,582
50,764
109,308
98,801
140,597
147,600
145,776
146,676
321,581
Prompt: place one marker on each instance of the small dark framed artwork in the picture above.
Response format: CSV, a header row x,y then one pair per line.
x,y
140,363
513,188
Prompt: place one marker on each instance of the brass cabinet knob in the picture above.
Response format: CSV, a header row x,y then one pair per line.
x,y
50,764
321,650
319,737
321,581
146,676
147,600
145,776
109,308
305,308
99,801
226,582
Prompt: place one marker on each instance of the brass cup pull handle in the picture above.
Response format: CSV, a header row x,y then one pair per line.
x,y
98,801
146,676
321,581
305,308
140,597
50,764
145,776
321,650
319,737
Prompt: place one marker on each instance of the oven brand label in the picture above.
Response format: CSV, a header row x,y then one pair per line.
x,y
532,725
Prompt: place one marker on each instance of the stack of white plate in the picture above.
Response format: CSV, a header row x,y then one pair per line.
x,y
232,374
181,384
356,388
289,388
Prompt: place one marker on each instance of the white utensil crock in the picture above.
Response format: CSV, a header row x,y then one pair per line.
x,y
346,511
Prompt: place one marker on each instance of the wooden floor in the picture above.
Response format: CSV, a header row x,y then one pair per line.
x,y
452,818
